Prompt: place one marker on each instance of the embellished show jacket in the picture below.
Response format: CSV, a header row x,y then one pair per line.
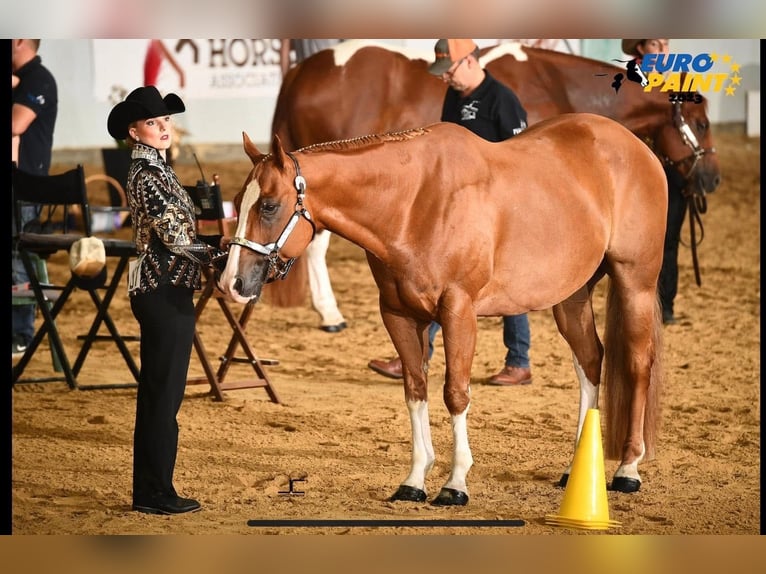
x,y
164,227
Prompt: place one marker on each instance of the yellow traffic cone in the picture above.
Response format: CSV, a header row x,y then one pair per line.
x,y
585,504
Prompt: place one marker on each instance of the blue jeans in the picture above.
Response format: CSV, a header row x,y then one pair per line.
x,y
516,338
22,316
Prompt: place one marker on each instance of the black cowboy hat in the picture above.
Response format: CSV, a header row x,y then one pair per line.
x,y
141,103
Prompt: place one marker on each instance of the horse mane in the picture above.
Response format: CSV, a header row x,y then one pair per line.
x,y
364,141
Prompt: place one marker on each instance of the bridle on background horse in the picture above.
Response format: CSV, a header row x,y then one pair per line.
x,y
697,202
278,268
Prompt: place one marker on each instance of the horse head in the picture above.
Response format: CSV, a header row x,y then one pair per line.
x,y
686,146
268,237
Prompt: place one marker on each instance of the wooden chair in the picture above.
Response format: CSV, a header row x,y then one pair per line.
x,y
209,208
51,233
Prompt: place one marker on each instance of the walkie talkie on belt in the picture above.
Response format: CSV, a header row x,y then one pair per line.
x,y
203,188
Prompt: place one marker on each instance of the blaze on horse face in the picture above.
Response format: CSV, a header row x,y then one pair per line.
x,y
268,214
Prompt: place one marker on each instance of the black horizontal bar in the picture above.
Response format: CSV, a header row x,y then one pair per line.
x,y
351,522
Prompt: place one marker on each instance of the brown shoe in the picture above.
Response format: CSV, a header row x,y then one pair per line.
x,y
391,369
511,376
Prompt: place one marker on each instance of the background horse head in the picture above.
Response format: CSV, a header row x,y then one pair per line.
x,y
355,89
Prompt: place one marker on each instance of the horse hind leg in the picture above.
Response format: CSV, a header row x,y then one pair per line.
x,y
576,323
632,378
322,296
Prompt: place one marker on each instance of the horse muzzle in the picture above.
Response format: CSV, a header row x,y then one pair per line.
x,y
243,281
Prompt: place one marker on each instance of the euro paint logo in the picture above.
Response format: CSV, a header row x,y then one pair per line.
x,y
681,72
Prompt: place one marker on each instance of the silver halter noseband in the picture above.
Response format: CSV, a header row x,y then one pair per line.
x,y
688,137
278,268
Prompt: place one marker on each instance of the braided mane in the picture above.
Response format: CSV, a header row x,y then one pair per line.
x,y
361,141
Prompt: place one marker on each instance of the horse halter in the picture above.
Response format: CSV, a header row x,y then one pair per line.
x,y
688,137
696,202
278,268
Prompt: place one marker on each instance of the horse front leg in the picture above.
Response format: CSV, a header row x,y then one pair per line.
x,y
410,339
459,331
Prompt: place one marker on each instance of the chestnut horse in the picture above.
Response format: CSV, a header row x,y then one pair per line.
x,y
359,88
443,244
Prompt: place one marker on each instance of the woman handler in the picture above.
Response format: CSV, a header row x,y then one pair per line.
x,y
161,285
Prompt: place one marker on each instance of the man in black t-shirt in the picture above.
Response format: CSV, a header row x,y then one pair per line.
x,y
480,103
33,119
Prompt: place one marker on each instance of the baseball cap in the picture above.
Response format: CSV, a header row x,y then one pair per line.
x,y
448,52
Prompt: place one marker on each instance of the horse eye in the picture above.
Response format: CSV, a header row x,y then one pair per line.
x,y
268,209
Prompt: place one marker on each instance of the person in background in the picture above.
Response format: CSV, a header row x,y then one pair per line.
x,y
161,285
488,108
34,109
667,285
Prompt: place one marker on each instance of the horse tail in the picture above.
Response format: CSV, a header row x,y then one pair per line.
x,y
619,386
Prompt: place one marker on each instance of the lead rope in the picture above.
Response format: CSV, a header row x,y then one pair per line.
x,y
697,206
696,202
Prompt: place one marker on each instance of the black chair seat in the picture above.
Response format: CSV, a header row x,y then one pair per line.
x,y
47,242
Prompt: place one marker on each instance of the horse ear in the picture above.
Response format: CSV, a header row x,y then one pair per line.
x,y
250,149
278,152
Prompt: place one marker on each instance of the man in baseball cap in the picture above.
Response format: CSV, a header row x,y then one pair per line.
x,y
450,51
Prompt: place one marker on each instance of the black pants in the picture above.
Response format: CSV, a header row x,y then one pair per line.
x,y
166,320
677,204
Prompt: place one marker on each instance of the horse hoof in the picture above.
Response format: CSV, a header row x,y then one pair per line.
x,y
563,480
408,494
450,497
334,328
625,484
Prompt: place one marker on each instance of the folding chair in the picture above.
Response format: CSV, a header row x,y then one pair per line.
x,y
49,234
209,208
24,295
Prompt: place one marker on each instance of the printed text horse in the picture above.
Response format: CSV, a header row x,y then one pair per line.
x,y
455,227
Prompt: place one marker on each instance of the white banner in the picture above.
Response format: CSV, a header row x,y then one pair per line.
x,y
207,68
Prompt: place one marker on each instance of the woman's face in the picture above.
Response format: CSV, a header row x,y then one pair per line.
x,y
661,46
155,132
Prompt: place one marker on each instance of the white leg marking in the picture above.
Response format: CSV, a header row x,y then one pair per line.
x,y
588,400
631,470
588,395
322,296
422,447
462,460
